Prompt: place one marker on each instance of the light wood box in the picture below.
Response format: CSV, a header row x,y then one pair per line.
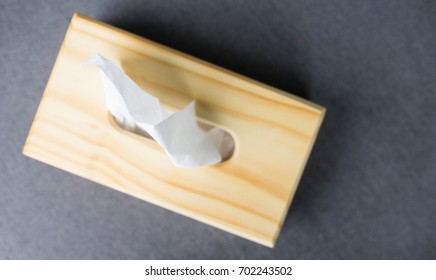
x,y
248,195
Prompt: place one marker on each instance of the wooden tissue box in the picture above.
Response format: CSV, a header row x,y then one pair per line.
x,y
247,195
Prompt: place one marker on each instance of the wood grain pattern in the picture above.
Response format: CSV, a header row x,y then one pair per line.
x,y
248,195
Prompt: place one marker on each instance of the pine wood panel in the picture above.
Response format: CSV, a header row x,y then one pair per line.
x,y
248,195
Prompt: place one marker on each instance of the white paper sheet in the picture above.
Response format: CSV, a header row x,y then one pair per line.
x,y
178,133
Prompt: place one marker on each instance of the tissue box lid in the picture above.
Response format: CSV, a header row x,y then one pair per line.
x,y
248,195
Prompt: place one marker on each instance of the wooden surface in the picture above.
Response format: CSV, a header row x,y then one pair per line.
x,y
248,195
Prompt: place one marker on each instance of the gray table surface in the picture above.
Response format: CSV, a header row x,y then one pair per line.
x,y
369,189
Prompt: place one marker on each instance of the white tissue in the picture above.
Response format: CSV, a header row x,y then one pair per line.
x,y
178,133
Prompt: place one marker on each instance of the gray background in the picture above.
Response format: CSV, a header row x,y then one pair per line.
x,y
369,190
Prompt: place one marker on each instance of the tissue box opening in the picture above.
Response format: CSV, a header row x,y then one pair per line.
x,y
226,148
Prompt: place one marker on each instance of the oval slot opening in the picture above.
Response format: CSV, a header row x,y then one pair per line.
x,y
226,146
